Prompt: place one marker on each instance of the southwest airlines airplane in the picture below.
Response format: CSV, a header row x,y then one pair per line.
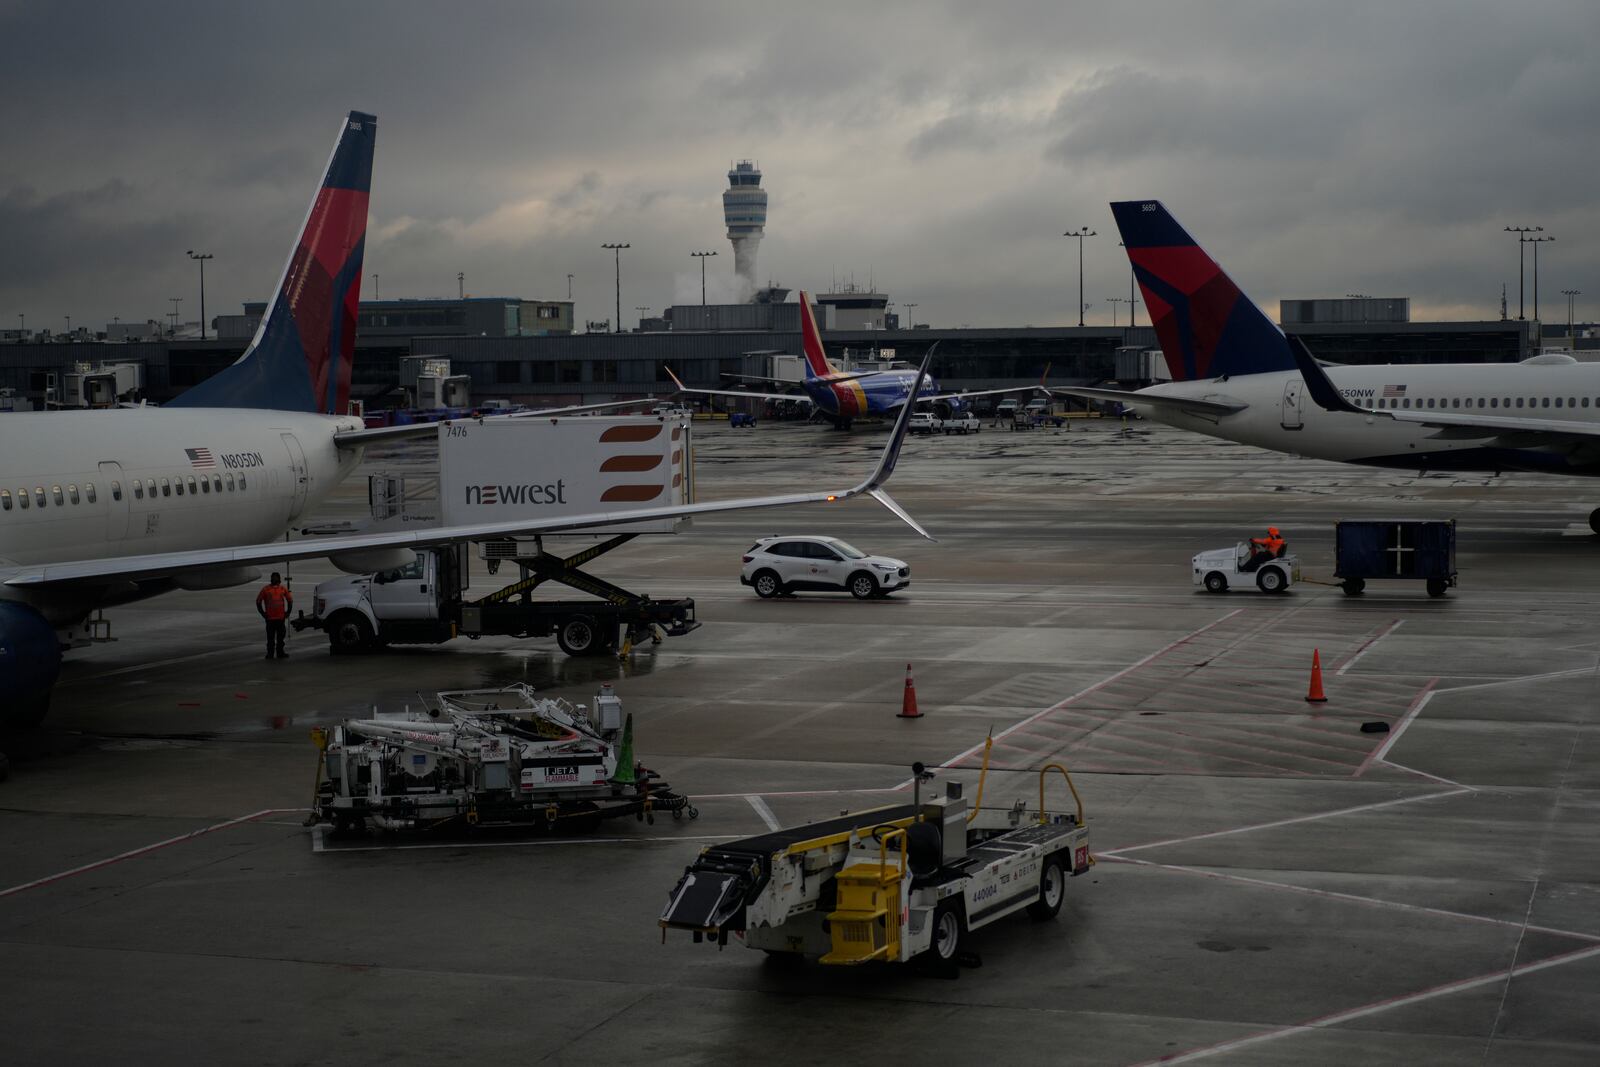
x,y
100,508
843,395
1236,375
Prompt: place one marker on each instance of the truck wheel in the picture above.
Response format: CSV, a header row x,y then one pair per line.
x,y
1354,586
349,632
579,636
1271,580
948,930
767,584
863,586
1052,891
1216,583
1437,586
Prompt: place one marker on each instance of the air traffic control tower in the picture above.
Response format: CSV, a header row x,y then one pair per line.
x,y
744,208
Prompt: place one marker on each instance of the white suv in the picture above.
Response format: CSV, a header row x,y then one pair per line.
x,y
774,566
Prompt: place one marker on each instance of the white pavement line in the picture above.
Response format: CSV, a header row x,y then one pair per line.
x,y
1394,735
1431,777
1186,638
1572,673
797,793
97,864
528,843
1377,1007
765,812
162,663
1352,898
1364,649
1286,822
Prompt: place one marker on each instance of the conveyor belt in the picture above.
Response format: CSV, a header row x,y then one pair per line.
x,y
779,840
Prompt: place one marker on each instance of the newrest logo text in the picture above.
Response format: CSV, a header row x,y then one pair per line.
x,y
554,493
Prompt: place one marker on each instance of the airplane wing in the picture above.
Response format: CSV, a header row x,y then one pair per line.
x,y
163,564
977,392
747,394
352,438
1460,425
1213,407
840,377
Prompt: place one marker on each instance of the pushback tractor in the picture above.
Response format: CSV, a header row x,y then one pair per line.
x,y
890,884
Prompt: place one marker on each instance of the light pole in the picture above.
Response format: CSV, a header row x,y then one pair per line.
x,y
201,258
1080,235
1360,296
617,250
22,327
1114,301
569,287
701,256
1536,242
1569,294
375,296
1522,239
176,300
461,285
1133,308
641,310
69,325
908,308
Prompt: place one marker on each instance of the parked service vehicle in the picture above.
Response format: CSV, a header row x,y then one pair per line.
x,y
963,423
1222,568
1006,411
775,566
426,602
924,422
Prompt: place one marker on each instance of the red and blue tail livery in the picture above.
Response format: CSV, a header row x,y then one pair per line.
x,y
1206,326
302,352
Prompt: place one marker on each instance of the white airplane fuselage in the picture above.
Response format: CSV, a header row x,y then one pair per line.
x,y
1280,414
137,481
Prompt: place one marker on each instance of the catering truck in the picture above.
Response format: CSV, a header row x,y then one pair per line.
x,y
504,470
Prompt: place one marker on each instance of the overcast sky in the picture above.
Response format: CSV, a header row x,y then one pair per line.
x,y
938,150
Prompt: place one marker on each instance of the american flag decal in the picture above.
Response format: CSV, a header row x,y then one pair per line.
x,y
200,458
1394,390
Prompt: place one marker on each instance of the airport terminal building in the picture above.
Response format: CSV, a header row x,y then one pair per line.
x,y
526,350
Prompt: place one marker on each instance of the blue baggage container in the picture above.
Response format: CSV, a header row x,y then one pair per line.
x,y
1407,549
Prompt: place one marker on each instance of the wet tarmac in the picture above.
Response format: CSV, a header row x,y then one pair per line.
x,y
1273,884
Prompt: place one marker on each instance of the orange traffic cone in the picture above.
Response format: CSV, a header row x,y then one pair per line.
x,y
1316,695
908,705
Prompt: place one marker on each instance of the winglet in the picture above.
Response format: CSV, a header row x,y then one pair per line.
x,y
873,485
1318,384
674,377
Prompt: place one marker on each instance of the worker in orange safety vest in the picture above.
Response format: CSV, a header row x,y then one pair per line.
x,y
273,603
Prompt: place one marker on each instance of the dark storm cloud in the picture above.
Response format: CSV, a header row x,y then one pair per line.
x,y
939,147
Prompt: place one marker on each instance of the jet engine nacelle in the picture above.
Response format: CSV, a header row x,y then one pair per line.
x,y
372,560
30,663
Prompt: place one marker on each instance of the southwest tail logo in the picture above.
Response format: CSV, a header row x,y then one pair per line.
x,y
301,355
1206,326
817,365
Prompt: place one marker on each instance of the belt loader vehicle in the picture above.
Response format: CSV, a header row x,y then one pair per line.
x,y
889,884
489,757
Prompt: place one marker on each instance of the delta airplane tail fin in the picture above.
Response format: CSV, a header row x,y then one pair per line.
x,y
1206,326
301,355
817,365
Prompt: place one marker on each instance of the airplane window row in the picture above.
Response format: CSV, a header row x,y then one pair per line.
x,y
1491,402
61,495
68,494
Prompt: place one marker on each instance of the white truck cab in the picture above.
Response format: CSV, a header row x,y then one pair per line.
x,y
1221,568
962,422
